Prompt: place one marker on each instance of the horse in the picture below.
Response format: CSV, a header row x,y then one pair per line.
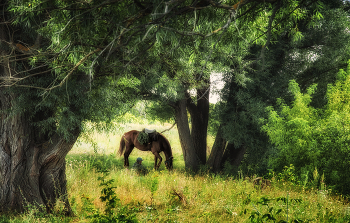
x,y
129,141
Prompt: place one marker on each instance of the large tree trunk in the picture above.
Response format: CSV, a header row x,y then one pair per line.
x,y
223,151
190,156
194,141
32,164
31,174
234,155
217,152
199,117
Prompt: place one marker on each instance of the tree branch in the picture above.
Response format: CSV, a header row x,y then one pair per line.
x,y
64,79
75,67
268,38
169,128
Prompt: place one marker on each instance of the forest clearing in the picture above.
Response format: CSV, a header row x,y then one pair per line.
x,y
179,196
81,81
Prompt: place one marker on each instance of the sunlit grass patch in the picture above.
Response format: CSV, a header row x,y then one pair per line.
x,y
177,196
180,196
163,196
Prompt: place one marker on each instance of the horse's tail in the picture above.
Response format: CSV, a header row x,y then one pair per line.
x,y
121,146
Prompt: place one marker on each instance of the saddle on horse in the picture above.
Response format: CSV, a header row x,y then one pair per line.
x,y
147,136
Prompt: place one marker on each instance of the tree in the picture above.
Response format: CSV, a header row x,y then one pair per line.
x,y
38,128
66,62
227,54
284,59
47,93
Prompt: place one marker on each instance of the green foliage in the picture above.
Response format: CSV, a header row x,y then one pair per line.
x,y
270,215
288,174
314,139
264,212
214,118
154,185
129,49
309,60
143,138
160,111
4,219
112,203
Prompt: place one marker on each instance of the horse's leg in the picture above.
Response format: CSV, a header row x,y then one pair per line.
x,y
157,156
155,162
127,152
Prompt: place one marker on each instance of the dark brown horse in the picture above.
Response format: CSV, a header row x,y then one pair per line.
x,y
129,141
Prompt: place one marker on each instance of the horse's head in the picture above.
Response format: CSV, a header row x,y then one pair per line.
x,y
169,163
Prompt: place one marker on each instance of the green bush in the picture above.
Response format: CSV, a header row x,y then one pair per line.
x,y
311,138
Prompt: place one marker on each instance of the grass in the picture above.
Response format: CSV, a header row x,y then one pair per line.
x,y
182,197
179,196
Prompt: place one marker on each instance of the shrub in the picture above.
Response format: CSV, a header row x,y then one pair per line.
x,y
312,138
114,211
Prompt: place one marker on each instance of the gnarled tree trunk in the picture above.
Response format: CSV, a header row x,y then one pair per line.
x,y
32,163
223,151
234,155
194,141
32,170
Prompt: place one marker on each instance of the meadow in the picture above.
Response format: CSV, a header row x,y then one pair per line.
x,y
101,190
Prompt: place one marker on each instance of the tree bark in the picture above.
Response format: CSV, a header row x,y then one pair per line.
x,y
223,151
31,174
199,118
190,156
217,152
234,155
32,164
194,141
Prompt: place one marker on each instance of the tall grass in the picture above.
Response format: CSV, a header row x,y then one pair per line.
x,y
182,197
179,196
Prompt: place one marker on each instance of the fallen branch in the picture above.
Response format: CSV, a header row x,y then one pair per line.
x,y
180,196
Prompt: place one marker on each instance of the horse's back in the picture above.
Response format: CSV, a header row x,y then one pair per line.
x,y
131,135
163,142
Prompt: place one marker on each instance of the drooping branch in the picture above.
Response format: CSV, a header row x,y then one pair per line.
x,y
74,68
284,18
56,86
238,4
268,38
